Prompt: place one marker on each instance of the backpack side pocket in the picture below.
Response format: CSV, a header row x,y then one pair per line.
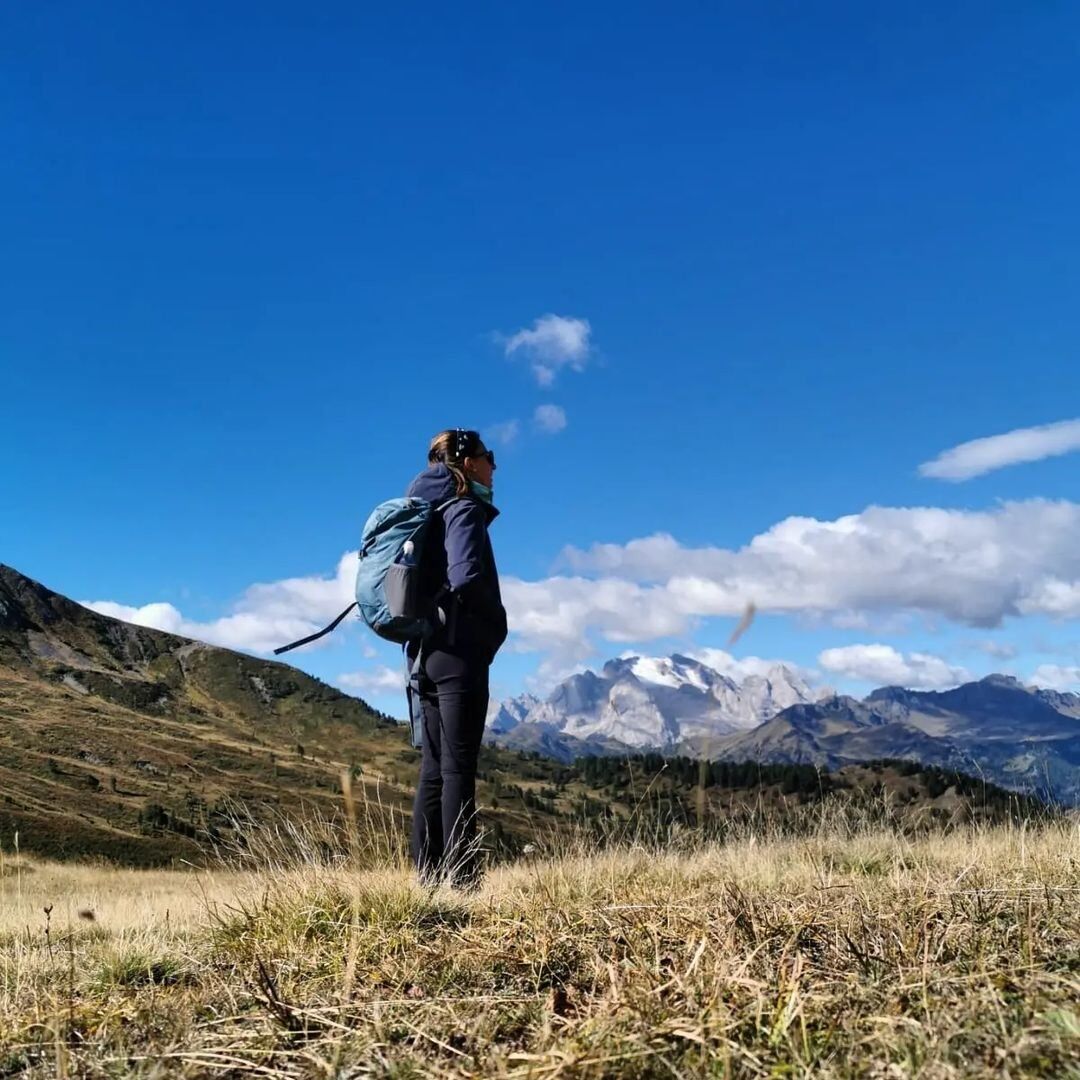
x,y
401,588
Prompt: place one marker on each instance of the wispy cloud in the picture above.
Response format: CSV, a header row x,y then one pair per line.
x,y
550,419
981,456
999,650
503,433
550,344
883,665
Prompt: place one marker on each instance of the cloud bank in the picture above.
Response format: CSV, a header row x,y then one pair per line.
x,y
981,456
975,568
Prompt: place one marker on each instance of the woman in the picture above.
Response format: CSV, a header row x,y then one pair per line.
x,y
460,575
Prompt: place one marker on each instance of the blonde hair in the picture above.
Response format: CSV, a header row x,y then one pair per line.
x,y
444,449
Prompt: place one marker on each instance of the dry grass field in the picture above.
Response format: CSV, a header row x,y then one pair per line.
x,y
850,951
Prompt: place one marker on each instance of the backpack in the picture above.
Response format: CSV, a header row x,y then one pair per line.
x,y
388,576
388,588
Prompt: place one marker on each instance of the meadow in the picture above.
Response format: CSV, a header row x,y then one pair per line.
x,y
845,950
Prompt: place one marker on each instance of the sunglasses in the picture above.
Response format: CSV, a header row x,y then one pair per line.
x,y
490,455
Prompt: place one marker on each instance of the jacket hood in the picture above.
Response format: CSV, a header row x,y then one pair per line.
x,y
436,485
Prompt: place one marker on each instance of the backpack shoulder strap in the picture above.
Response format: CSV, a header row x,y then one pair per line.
x,y
315,637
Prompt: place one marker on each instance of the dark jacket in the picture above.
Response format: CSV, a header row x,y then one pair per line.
x,y
464,564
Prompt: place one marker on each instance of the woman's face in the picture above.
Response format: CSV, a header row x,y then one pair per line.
x,y
481,468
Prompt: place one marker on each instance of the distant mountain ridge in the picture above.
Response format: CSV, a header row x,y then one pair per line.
x,y
1022,738
1019,737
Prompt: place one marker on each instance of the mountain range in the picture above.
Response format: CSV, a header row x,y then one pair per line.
x,y
1023,738
664,703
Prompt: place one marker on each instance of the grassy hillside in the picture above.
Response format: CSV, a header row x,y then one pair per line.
x,y
848,952
125,742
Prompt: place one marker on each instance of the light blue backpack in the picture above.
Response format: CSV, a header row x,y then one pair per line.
x,y
388,585
388,577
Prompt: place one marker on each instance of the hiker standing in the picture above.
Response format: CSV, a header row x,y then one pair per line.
x,y
452,674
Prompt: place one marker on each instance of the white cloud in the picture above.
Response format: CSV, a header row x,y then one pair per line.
x,y
550,419
557,615
1056,598
996,451
159,616
264,617
553,342
379,680
502,434
1057,676
883,665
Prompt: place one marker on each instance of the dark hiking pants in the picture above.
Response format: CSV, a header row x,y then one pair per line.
x,y
454,702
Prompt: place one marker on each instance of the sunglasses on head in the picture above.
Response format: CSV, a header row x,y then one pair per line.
x,y
463,439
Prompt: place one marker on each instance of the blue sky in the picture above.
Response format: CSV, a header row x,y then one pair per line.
x,y
256,254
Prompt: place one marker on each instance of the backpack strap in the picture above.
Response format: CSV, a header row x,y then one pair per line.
x,y
315,637
412,692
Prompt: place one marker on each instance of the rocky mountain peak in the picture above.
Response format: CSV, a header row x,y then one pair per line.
x,y
656,702
1007,682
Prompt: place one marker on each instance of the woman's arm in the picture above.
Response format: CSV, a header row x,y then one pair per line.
x,y
466,539
466,563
